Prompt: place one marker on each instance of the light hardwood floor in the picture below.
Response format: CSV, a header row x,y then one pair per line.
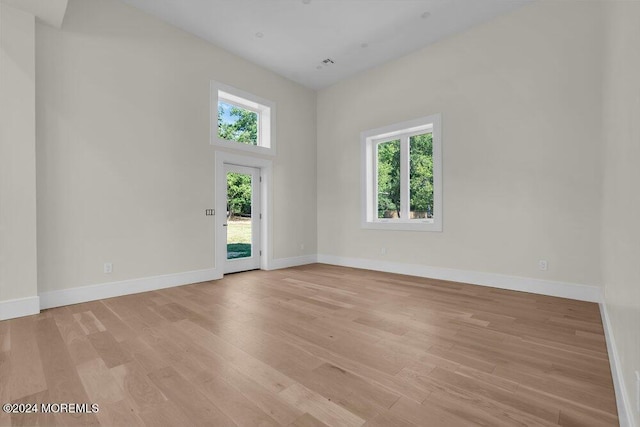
x,y
312,346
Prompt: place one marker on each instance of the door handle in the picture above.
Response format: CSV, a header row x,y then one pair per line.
x,y
224,225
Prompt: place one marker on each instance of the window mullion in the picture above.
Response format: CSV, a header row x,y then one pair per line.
x,y
404,177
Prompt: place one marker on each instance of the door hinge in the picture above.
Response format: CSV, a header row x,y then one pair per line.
x,y
260,179
260,253
260,216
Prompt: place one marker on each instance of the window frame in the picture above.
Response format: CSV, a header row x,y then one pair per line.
x,y
264,108
403,131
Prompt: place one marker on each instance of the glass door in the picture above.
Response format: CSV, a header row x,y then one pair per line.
x,y
242,226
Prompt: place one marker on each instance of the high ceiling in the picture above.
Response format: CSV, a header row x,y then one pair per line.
x,y
293,37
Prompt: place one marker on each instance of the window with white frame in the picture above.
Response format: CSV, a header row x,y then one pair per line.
x,y
241,120
402,176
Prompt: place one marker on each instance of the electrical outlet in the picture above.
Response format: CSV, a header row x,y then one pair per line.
x,y
383,251
108,268
543,265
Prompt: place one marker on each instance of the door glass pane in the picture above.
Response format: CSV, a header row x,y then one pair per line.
x,y
237,124
389,179
421,176
238,215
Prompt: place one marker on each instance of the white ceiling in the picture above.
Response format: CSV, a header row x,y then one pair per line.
x,y
293,37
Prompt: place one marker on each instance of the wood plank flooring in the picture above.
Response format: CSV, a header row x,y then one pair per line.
x,y
313,346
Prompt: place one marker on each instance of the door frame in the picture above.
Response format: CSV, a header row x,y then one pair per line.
x,y
265,166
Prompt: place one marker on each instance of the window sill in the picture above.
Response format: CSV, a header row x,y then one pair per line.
x,y
403,225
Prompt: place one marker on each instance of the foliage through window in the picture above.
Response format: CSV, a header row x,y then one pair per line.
x,y
421,176
389,179
402,176
237,124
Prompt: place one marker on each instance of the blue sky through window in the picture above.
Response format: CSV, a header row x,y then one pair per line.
x,y
226,116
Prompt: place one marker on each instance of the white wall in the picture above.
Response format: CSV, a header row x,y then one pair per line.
x,y
621,203
49,11
17,158
125,168
521,107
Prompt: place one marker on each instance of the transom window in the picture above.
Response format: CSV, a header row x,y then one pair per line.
x,y
402,176
241,120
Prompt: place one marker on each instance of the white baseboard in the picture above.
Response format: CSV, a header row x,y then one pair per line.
x,y
125,287
514,283
279,263
623,400
19,307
